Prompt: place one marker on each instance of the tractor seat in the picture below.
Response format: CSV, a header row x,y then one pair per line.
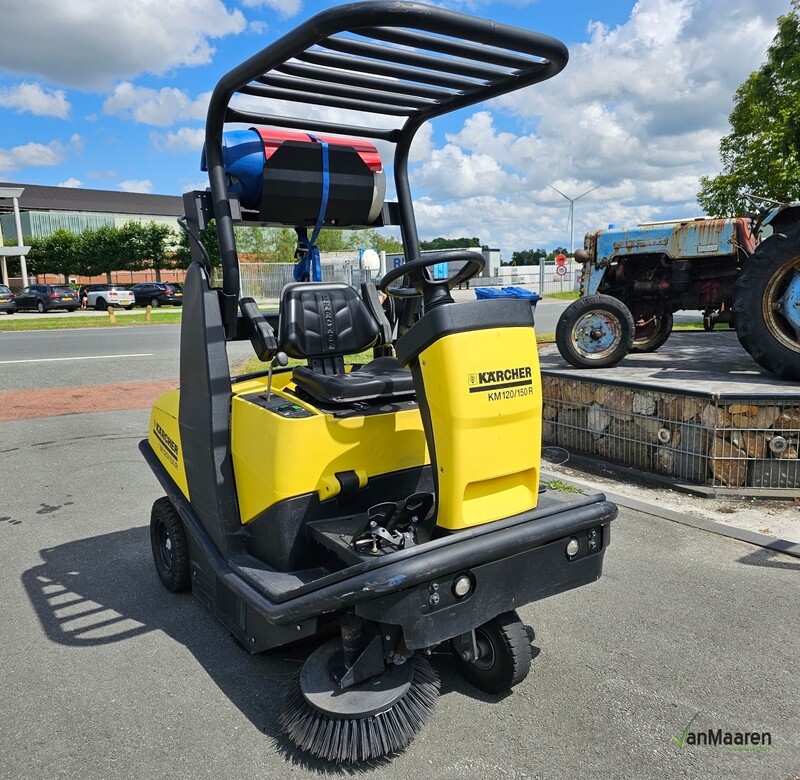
x,y
324,321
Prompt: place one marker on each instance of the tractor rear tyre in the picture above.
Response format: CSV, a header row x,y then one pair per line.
x,y
595,332
652,332
170,549
767,305
505,660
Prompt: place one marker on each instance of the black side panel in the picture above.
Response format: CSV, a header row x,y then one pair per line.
x,y
204,413
459,318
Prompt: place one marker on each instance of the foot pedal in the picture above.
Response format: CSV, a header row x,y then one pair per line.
x,y
374,534
415,509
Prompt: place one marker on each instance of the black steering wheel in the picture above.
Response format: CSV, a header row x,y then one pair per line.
x,y
432,289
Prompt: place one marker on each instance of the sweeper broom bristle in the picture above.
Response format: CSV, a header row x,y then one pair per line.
x,y
365,722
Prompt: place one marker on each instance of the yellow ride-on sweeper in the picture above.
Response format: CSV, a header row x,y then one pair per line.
x,y
395,506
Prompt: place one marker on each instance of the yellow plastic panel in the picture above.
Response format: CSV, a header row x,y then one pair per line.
x,y
165,438
484,395
277,458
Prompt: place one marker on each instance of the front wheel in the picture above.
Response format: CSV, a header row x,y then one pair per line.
x,y
767,305
505,654
595,332
168,542
650,332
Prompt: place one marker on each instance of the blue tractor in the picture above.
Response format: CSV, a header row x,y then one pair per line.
x,y
743,271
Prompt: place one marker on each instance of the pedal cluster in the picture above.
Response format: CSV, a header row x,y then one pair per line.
x,y
392,524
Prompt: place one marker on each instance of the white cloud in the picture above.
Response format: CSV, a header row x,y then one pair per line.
x,y
639,110
136,185
285,8
161,107
33,98
92,43
72,182
182,140
35,154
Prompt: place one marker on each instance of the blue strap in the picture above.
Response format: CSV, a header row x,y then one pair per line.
x,y
309,267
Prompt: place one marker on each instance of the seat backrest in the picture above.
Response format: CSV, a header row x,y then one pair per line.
x,y
320,320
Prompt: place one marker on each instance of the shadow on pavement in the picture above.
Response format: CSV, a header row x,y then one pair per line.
x,y
104,590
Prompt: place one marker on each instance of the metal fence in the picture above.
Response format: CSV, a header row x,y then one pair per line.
x,y
736,443
264,281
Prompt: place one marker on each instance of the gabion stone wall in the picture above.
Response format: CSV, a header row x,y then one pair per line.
x,y
703,439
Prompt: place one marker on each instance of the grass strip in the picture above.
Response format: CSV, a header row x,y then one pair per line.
x,y
70,322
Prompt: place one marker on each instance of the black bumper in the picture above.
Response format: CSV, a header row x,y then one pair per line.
x,y
511,562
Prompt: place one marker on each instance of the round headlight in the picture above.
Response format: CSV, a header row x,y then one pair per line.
x,y
573,545
462,586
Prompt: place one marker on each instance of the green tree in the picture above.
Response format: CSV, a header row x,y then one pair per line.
x,y
450,243
762,152
528,257
58,253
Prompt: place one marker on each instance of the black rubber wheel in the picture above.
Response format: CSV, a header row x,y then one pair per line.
x,y
708,323
128,308
766,304
505,660
40,307
170,551
595,332
653,331
100,304
155,303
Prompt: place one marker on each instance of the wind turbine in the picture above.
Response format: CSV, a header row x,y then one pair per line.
x,y
572,214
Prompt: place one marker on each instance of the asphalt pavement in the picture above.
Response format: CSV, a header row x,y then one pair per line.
x,y
107,675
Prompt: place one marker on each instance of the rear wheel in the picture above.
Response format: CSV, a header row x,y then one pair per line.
x,y
651,331
595,332
155,303
767,305
170,550
505,654
41,308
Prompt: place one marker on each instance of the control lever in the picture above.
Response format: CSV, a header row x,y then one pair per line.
x,y
280,359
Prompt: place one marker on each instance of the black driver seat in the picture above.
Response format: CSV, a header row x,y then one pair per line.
x,y
324,321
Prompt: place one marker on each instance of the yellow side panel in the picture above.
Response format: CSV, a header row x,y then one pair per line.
x,y
165,438
276,458
484,395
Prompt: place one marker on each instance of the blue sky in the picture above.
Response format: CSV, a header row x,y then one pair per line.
x,y
109,95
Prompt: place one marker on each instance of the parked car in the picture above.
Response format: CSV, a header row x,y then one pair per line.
x,y
157,294
7,300
45,297
101,296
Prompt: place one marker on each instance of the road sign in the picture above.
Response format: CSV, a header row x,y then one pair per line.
x,y
561,270
561,259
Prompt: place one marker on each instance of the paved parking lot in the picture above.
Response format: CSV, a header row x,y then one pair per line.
x,y
106,675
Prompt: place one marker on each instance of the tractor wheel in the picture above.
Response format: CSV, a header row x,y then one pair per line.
x,y
651,333
595,332
505,659
170,550
767,305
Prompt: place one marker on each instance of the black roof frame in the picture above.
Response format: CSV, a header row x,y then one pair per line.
x,y
392,58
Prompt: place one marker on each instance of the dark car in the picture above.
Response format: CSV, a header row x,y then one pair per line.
x,y
157,294
44,297
7,303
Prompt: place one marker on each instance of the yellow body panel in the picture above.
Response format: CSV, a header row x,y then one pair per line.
x,y
484,396
276,458
165,438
